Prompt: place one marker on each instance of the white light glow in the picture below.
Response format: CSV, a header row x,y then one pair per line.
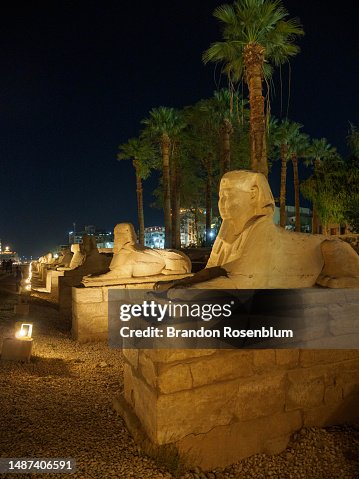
x,y
25,331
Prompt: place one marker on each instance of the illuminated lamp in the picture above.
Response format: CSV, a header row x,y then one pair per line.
x,y
24,332
18,348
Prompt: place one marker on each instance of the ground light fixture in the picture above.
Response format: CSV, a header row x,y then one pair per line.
x,y
24,331
18,347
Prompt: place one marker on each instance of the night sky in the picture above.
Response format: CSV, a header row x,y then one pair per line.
x,y
77,77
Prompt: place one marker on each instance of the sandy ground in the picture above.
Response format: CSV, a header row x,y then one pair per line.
x,y
59,405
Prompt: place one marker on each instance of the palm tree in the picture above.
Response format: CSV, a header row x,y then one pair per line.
x,y
202,143
256,35
219,110
299,147
351,183
281,136
320,151
142,155
325,189
163,124
353,141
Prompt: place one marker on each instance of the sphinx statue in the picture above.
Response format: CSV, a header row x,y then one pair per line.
x,y
95,262
87,255
131,260
77,259
251,252
49,259
64,259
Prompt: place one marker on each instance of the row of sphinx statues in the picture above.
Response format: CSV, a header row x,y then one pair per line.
x,y
250,250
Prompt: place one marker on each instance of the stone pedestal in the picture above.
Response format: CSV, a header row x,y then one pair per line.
x,y
220,406
14,349
90,305
41,280
54,284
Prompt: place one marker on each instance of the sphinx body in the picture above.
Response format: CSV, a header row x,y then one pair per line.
x,y
251,252
63,259
78,258
131,260
66,258
87,257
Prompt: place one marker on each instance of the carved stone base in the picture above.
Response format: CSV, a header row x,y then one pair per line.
x,y
219,406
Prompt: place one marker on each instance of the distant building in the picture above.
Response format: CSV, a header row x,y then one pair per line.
x,y
104,239
193,227
6,254
193,230
305,218
155,237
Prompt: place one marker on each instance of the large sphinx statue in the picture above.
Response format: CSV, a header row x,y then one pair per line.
x,y
131,260
252,252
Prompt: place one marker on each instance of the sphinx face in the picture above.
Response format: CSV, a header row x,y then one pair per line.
x,y
234,204
124,235
75,248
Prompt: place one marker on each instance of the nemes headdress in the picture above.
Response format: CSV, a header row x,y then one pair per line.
x,y
245,180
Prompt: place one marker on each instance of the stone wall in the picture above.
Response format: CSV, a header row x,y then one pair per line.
x,y
218,407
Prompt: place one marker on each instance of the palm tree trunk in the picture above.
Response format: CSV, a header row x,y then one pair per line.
x,y
177,224
296,192
165,147
283,179
315,219
140,215
227,130
254,60
209,200
196,229
175,205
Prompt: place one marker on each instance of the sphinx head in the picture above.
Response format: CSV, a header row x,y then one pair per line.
x,y
76,248
89,244
124,236
244,195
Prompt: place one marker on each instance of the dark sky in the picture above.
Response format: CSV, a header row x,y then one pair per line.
x,y
77,77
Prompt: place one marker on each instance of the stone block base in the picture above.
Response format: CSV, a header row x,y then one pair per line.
x,y
217,407
90,305
16,349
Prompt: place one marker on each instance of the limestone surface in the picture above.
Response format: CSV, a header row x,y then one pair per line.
x,y
131,260
252,252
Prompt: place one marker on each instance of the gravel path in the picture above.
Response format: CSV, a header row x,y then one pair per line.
x,y
59,405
